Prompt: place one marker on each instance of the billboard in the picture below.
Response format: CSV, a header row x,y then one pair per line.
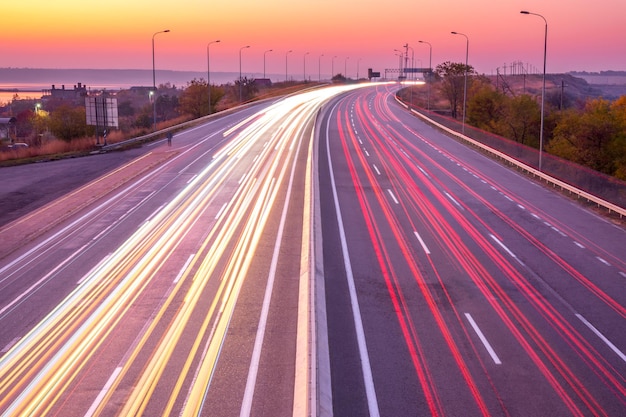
x,y
101,111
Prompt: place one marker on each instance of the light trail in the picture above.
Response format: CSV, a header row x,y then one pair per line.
x,y
427,201
38,369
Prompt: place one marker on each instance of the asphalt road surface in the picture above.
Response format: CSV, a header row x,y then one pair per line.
x,y
324,254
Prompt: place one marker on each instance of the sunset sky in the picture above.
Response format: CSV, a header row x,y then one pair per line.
x,y
582,35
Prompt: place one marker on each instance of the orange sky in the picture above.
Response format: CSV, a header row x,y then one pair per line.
x,y
118,33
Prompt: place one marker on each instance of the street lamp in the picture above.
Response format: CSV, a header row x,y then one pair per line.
x,y
543,88
304,65
464,88
287,73
430,68
240,79
208,71
269,50
154,80
345,67
401,55
319,68
358,61
332,68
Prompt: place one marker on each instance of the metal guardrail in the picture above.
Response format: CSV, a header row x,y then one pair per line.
x,y
612,208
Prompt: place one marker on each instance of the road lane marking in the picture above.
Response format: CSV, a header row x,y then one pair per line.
x,y
580,245
366,368
452,199
246,404
507,250
103,392
395,200
43,280
9,345
604,261
184,268
376,169
483,339
417,235
221,210
603,338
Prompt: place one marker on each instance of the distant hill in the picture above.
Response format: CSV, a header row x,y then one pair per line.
x,y
34,79
575,87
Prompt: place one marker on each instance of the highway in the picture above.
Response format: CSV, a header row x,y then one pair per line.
x,y
456,286
322,254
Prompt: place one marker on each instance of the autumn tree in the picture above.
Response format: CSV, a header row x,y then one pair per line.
x,y
68,122
452,75
485,109
593,136
194,100
522,120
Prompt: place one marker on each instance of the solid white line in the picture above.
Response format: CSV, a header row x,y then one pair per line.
x,y
602,337
392,196
483,339
368,379
417,235
246,404
103,392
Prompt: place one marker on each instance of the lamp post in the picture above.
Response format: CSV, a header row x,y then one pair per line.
x,y
465,87
345,67
412,77
430,68
286,72
154,81
319,68
400,54
208,71
543,88
304,65
269,50
240,79
357,68
332,68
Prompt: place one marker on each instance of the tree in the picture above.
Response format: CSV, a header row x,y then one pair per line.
x,y
68,122
485,109
194,99
248,88
522,120
593,136
452,85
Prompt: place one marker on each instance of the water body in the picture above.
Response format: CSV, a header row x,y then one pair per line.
x,y
30,82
